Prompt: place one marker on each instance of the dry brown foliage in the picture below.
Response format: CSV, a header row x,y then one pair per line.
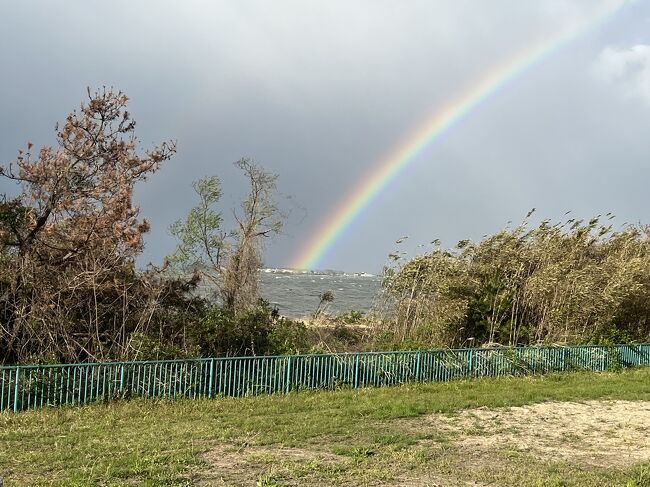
x,y
68,286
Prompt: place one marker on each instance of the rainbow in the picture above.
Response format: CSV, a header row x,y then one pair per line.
x,y
442,120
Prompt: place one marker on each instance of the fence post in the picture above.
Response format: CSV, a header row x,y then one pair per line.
x,y
471,361
356,372
287,382
417,366
16,389
122,380
211,374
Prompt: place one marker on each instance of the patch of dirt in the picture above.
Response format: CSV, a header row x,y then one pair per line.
x,y
476,441
244,466
598,433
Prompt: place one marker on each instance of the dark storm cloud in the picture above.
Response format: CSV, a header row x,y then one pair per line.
x,y
318,91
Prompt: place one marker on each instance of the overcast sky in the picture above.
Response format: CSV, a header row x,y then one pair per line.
x,y
319,91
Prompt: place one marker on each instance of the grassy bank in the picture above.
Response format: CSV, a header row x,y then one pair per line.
x,y
430,434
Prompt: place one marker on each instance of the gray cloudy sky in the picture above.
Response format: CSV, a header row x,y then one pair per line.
x,y
318,91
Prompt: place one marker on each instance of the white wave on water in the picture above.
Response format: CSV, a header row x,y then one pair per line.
x,y
320,272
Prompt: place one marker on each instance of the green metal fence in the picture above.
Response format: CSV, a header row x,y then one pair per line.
x,y
33,386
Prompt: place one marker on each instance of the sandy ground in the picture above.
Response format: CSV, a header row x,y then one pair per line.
x,y
598,433
592,433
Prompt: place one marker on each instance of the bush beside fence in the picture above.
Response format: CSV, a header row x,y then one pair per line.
x,y
25,387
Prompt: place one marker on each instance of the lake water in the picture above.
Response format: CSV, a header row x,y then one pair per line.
x,y
296,294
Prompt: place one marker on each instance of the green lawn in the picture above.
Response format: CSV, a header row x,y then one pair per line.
x,y
410,435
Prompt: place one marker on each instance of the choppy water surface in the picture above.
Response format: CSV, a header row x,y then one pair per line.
x,y
297,294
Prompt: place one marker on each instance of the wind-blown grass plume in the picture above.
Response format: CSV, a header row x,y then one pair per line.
x,y
570,282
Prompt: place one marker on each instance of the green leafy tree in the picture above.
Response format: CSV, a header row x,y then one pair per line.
x,y
229,260
202,244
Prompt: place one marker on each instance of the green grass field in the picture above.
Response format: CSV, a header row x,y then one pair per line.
x,y
575,429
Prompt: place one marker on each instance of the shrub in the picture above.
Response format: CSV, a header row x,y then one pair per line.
x,y
259,331
288,337
145,347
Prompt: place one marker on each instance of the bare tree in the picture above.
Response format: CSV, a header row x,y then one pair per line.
x,y
258,219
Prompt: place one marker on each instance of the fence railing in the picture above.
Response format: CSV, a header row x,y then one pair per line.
x,y
33,386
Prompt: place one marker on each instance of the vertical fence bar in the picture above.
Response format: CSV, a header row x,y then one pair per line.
x,y
2,392
29,395
639,354
470,364
288,376
16,386
221,389
211,374
122,380
356,372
